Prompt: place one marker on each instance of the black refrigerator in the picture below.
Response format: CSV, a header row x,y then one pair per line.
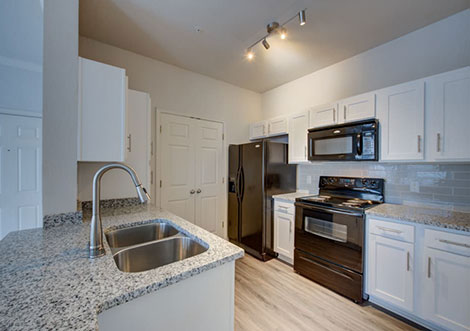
x,y
257,171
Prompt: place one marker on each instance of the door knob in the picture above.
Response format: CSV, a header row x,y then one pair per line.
x,y
198,191
192,191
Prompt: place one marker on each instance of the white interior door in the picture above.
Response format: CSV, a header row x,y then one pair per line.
x,y
178,165
209,174
20,173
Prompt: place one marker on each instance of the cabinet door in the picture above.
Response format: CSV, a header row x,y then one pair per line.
x,y
446,295
20,173
298,130
258,130
102,112
400,110
277,126
390,271
283,234
448,109
357,108
324,115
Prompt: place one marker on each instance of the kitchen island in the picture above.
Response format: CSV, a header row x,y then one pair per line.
x,y
48,281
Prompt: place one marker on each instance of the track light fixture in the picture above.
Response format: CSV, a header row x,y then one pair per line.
x,y
274,27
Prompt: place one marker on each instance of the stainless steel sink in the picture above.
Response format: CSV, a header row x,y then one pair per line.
x,y
157,254
139,234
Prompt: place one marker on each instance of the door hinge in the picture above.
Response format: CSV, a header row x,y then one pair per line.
x,y
223,180
151,148
223,224
151,177
160,183
223,136
160,129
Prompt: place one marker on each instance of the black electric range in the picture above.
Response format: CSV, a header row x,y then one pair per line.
x,y
329,232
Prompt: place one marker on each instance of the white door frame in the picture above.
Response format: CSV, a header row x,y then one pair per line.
x,y
157,154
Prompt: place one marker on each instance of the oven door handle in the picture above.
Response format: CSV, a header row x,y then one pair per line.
x,y
329,210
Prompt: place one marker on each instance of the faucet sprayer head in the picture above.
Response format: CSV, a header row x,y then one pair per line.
x,y
142,193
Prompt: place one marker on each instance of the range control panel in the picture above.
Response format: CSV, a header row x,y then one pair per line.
x,y
359,184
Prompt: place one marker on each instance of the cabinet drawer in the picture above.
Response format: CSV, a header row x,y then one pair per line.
x,y
392,230
284,207
449,242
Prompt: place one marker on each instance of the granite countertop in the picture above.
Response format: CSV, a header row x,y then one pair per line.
x,y
430,216
290,197
48,281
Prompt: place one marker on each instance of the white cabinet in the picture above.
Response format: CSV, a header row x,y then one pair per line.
x,y
102,112
357,108
390,266
446,295
277,126
448,116
258,130
284,226
323,115
20,173
400,110
298,129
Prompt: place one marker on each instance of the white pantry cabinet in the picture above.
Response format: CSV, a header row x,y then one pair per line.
x,y
284,226
357,108
298,143
400,110
277,126
102,132
20,173
258,130
448,116
323,115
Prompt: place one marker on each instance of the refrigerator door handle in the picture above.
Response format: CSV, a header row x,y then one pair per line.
x,y
237,184
242,184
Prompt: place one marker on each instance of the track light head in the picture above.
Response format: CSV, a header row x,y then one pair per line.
x,y
302,17
265,44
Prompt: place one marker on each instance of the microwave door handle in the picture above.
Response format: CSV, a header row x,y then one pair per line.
x,y
359,143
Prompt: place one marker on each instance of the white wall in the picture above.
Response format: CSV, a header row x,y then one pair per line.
x,y
21,57
439,47
175,90
60,114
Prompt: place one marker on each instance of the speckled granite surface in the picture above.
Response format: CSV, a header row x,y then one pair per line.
x,y
50,221
430,216
290,197
47,281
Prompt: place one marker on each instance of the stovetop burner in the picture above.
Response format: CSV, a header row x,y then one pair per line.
x,y
347,193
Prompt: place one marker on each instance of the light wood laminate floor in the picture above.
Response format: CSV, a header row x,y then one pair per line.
x,y
271,296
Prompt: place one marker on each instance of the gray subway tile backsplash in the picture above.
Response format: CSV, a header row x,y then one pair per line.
x,y
434,184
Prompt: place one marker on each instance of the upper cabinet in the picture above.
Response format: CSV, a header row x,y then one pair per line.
x,y
298,129
277,126
258,130
448,116
357,108
102,134
400,110
323,115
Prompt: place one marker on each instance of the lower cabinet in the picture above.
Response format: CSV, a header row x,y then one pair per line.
x,y
424,276
284,222
391,275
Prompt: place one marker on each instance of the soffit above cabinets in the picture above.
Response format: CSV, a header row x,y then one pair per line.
x,y
210,37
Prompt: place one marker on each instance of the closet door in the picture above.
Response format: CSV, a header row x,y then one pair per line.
x,y
178,165
20,173
209,174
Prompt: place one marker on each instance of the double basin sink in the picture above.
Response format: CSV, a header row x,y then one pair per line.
x,y
149,246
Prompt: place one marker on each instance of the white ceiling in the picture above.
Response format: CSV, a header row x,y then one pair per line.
x,y
336,29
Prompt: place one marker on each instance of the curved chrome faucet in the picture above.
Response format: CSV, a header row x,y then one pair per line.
x,y
96,246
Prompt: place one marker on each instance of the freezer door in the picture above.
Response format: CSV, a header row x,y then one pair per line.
x,y
233,195
251,192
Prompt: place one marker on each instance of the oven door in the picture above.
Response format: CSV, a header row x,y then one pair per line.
x,y
336,236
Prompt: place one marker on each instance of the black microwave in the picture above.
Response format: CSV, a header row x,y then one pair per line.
x,y
355,141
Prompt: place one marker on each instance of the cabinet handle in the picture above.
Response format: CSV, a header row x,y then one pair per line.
x,y
264,130
389,230
283,207
129,139
334,115
290,227
407,261
198,191
305,152
429,267
419,144
454,243
344,113
438,142
269,128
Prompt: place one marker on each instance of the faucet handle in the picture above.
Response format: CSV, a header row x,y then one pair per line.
x,y
192,191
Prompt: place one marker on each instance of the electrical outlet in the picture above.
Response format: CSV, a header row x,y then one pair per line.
x,y
309,179
414,186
